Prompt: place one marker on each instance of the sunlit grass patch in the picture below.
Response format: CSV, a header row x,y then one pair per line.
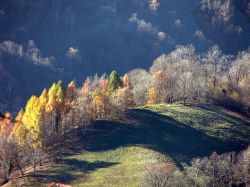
x,y
116,152
127,169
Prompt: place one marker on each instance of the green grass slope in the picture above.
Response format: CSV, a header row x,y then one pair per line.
x,y
115,153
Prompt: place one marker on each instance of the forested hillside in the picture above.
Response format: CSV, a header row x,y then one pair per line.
x,y
74,39
152,93
62,113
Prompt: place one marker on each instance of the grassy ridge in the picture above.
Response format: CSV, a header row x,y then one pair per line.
x,y
114,153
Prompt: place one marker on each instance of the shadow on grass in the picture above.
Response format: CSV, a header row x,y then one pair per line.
x,y
240,126
69,170
217,110
157,132
143,128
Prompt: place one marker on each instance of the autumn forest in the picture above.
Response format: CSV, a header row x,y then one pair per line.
x,y
174,112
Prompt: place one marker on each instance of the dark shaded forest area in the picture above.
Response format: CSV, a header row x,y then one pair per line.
x,y
44,41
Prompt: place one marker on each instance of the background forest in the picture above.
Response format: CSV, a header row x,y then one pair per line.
x,y
42,42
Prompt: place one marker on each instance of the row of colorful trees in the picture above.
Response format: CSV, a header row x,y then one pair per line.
x,y
181,76
48,114
47,119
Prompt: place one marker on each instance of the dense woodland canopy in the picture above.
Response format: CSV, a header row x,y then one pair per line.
x,y
53,40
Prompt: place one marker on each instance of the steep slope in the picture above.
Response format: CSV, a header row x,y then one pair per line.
x,y
115,153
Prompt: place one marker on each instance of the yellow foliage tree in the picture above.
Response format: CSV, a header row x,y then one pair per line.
x,y
44,97
51,104
55,97
152,97
59,94
99,102
19,132
32,119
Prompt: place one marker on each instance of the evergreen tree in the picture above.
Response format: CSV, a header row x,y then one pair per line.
x,y
114,82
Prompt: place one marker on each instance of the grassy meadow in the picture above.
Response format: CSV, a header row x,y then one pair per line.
x,y
116,153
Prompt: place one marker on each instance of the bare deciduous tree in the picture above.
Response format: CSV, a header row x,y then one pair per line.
x,y
141,81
